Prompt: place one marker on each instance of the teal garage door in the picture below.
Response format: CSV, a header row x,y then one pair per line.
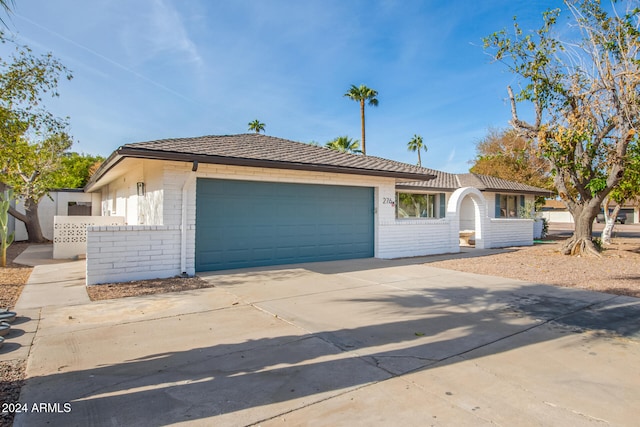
x,y
247,224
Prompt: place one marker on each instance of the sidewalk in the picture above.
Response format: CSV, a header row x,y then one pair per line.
x,y
52,283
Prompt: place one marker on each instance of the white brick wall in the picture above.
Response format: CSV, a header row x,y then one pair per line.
x,y
510,232
124,253
407,238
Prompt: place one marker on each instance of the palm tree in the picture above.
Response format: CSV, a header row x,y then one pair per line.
x,y
362,94
344,144
256,126
416,144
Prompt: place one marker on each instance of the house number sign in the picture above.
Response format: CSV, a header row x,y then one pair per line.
x,y
388,201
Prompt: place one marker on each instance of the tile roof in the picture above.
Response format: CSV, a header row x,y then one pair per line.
x,y
442,181
260,150
447,181
267,151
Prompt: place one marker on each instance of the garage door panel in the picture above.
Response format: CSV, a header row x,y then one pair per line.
x,y
243,223
261,253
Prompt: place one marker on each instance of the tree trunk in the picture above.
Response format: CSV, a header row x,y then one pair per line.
x,y
581,242
29,218
610,223
32,223
364,149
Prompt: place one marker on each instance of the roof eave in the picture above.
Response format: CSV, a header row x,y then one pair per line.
x,y
124,152
105,167
545,193
425,188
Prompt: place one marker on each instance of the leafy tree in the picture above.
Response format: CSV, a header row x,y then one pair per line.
x,y
256,126
30,172
506,155
7,5
628,189
363,94
344,144
584,96
24,165
75,170
416,144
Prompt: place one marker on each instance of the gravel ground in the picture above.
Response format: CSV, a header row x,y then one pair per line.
x,y
616,272
12,378
13,277
145,287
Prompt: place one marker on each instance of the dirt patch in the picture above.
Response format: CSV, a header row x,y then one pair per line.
x,y
12,375
145,287
13,277
616,272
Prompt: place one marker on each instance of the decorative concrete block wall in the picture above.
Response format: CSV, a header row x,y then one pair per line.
x,y
56,203
70,233
133,252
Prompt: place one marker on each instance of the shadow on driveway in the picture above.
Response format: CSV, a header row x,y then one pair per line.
x,y
252,380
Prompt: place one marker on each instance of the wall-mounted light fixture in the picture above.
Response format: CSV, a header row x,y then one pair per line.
x,y
141,189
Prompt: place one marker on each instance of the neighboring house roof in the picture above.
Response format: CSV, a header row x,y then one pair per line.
x,y
554,205
262,151
449,182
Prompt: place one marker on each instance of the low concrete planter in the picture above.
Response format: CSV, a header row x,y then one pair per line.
x,y
7,316
4,328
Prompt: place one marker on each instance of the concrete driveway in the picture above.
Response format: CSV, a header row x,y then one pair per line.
x,y
365,342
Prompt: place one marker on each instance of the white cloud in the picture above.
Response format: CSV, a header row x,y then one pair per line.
x,y
159,33
452,156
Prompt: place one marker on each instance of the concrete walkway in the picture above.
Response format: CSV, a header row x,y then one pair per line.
x,y
363,342
51,283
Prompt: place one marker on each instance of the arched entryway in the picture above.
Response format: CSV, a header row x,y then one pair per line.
x,y
467,210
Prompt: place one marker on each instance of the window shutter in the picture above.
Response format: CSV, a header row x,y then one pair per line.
x,y
522,212
497,212
443,207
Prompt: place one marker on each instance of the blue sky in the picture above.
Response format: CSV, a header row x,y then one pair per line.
x,y
154,69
